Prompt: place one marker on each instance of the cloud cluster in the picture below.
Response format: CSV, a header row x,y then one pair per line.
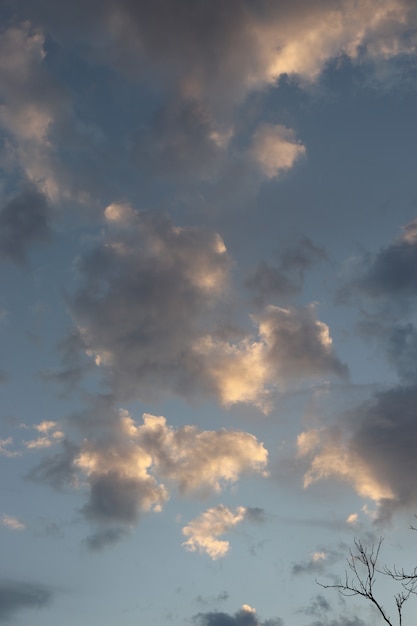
x,y
50,434
246,616
202,532
150,311
124,469
223,52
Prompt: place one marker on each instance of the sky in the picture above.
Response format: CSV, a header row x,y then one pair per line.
x,y
208,262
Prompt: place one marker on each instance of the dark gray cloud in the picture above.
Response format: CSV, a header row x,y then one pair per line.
x,y
390,275
24,220
245,617
401,346
117,498
16,596
285,279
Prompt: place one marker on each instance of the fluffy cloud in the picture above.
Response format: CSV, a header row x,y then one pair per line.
x,y
24,220
149,311
202,532
374,451
124,469
16,595
275,149
291,345
246,616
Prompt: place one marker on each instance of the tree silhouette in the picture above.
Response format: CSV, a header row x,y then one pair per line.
x,y
362,574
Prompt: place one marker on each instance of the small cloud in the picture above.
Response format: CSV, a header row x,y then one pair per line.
x,y
202,532
12,522
275,149
4,448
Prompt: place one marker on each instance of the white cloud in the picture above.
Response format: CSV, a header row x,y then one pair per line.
x,y
12,522
202,532
275,149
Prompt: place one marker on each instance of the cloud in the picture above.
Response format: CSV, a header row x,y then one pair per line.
x,y
319,560
51,435
390,275
24,220
246,616
103,538
17,595
221,53
123,470
182,140
12,522
4,448
275,149
202,532
148,290
151,311
284,279
373,450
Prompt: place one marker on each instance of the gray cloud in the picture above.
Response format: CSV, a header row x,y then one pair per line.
x,y
389,276
401,346
181,140
318,607
24,220
246,616
148,290
103,538
224,51
16,595
320,560
285,279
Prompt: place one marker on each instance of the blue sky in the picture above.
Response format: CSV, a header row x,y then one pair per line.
x,y
208,243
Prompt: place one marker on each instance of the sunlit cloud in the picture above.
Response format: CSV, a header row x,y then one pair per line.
x,y
202,532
